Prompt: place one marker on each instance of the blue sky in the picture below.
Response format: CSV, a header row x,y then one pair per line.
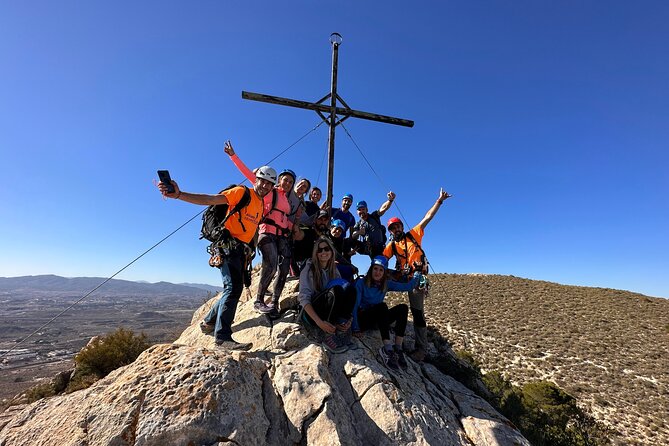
x,y
547,121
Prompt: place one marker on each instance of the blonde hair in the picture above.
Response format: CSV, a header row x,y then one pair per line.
x,y
330,268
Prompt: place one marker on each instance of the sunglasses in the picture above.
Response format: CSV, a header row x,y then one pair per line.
x,y
323,249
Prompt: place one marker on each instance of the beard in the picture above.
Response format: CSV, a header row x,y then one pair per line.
x,y
399,236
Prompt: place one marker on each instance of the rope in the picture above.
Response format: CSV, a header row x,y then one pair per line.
x,y
291,146
442,289
373,170
140,256
97,287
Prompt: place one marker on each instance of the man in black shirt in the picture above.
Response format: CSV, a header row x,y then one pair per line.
x,y
311,207
369,230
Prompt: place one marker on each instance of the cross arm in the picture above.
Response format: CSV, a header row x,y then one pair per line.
x,y
325,109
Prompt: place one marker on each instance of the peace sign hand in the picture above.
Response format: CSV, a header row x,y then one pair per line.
x,y
228,148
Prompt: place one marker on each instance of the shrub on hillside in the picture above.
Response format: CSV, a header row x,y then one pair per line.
x,y
545,414
42,390
105,354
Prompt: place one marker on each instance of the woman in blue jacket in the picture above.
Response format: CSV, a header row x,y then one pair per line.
x,y
371,311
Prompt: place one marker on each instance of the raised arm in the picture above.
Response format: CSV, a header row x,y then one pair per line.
x,y
443,195
386,205
248,173
203,199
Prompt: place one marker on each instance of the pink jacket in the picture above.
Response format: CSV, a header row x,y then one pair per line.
x,y
275,221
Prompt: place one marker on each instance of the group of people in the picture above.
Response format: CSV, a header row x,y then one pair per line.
x,y
293,232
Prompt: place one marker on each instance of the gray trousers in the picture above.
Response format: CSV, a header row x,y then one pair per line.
x,y
416,303
276,253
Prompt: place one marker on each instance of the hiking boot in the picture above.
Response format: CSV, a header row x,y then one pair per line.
x,y
261,307
206,328
331,344
401,360
273,314
418,355
231,344
389,358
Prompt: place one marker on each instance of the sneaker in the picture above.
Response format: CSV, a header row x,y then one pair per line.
x,y
401,360
389,358
418,355
231,344
331,344
206,328
261,307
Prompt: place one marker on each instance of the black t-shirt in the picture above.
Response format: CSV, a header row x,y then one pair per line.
x,y
373,229
302,249
311,210
343,247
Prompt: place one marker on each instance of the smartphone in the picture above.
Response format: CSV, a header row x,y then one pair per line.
x,y
164,176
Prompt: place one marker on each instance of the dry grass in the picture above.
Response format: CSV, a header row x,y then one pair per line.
x,y
608,348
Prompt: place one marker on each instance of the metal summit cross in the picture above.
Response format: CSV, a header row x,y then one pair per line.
x,y
335,115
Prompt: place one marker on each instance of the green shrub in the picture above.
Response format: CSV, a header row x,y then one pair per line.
x,y
38,392
105,354
545,414
468,358
505,396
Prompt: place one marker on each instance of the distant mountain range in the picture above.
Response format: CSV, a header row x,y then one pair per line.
x,y
114,286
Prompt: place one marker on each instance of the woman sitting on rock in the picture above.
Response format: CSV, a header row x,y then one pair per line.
x,y
371,311
326,298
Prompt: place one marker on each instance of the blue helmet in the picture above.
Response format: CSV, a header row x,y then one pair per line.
x,y
361,204
349,196
381,261
340,224
288,172
337,282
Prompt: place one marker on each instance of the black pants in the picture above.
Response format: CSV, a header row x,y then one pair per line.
x,y
379,315
335,305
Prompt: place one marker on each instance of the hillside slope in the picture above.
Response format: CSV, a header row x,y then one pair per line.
x,y
608,348
286,390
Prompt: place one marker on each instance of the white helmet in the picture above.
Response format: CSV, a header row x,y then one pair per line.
x,y
266,173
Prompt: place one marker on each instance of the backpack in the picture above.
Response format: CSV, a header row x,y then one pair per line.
x,y
215,216
383,228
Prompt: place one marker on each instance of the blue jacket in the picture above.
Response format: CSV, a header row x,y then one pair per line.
x,y
369,296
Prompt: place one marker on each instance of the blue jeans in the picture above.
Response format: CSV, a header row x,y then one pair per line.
x,y
222,313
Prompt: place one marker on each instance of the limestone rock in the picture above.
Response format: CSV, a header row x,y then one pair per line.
x,y
287,390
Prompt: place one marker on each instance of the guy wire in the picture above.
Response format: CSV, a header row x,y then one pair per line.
x,y
378,177
455,311
139,257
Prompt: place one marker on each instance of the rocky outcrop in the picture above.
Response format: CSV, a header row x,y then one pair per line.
x,y
286,391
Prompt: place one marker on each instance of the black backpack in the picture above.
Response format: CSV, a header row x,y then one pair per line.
x,y
215,216
383,228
